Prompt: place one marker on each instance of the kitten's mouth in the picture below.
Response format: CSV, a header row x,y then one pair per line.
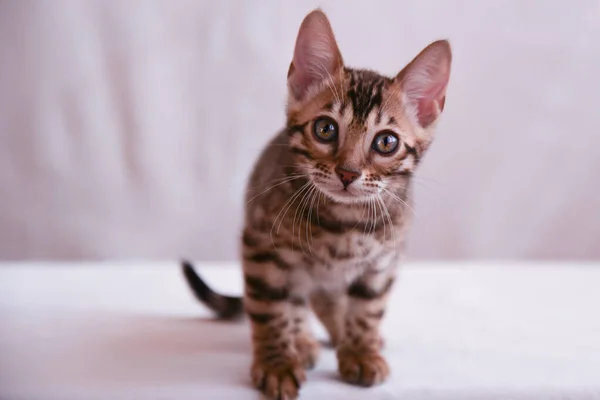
x,y
344,195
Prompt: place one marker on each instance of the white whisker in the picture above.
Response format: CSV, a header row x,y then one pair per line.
x,y
286,206
284,180
374,222
318,201
368,209
301,207
391,223
377,198
308,206
330,82
393,196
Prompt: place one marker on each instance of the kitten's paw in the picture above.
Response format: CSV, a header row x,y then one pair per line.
x,y
278,379
308,351
334,343
362,368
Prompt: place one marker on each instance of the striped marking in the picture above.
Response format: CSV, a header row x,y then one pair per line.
x,y
263,257
361,290
301,152
261,318
258,289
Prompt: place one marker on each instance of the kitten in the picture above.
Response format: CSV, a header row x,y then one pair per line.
x,y
328,208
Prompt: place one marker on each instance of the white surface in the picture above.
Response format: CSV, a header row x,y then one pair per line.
x,y
114,331
127,128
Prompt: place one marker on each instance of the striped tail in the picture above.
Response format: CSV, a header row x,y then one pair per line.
x,y
226,307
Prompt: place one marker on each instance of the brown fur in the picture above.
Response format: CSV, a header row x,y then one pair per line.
x,y
311,242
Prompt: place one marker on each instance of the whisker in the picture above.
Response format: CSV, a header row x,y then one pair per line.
x,y
364,208
369,217
298,195
318,201
259,185
309,219
377,198
304,214
368,210
296,215
391,223
392,95
374,222
422,177
393,196
287,204
329,82
341,70
418,180
286,180
300,207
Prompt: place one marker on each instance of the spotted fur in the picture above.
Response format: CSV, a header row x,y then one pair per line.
x,y
313,241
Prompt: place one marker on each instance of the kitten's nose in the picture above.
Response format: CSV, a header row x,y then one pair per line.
x,y
347,176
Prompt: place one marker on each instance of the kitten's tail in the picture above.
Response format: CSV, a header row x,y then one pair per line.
x,y
226,307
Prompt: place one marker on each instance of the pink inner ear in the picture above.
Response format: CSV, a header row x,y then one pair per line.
x,y
431,104
425,80
309,66
316,56
427,112
441,103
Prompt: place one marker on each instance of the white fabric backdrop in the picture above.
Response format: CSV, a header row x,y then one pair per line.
x,y
128,128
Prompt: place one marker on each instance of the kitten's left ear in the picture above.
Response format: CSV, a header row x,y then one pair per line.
x,y
424,81
316,55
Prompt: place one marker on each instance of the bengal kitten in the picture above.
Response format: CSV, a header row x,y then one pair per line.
x,y
328,208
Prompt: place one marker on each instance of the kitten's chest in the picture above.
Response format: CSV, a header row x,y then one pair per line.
x,y
345,244
336,258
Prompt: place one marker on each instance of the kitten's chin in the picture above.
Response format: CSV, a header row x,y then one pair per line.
x,y
344,196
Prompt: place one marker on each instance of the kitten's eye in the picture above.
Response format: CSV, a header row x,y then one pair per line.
x,y
326,129
385,143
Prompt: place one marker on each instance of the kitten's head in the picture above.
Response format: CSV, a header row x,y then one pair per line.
x,y
356,133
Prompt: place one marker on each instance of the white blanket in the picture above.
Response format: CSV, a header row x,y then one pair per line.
x,y
111,331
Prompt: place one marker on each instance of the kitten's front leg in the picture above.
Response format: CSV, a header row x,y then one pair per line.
x,y
359,355
307,347
276,369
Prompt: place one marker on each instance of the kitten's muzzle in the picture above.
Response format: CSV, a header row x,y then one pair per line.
x,y
347,176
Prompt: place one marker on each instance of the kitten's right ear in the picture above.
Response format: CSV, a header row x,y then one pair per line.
x,y
424,81
316,56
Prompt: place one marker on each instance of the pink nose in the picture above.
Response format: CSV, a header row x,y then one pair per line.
x,y
347,176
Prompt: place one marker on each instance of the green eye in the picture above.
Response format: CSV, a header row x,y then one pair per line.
x,y
385,143
326,129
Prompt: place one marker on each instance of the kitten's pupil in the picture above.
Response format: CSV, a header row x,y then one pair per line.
x,y
325,129
385,143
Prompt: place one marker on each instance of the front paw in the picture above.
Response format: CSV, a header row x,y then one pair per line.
x,y
308,351
364,368
334,343
278,379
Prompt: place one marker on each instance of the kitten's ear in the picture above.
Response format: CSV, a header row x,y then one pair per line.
x,y
316,56
424,81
